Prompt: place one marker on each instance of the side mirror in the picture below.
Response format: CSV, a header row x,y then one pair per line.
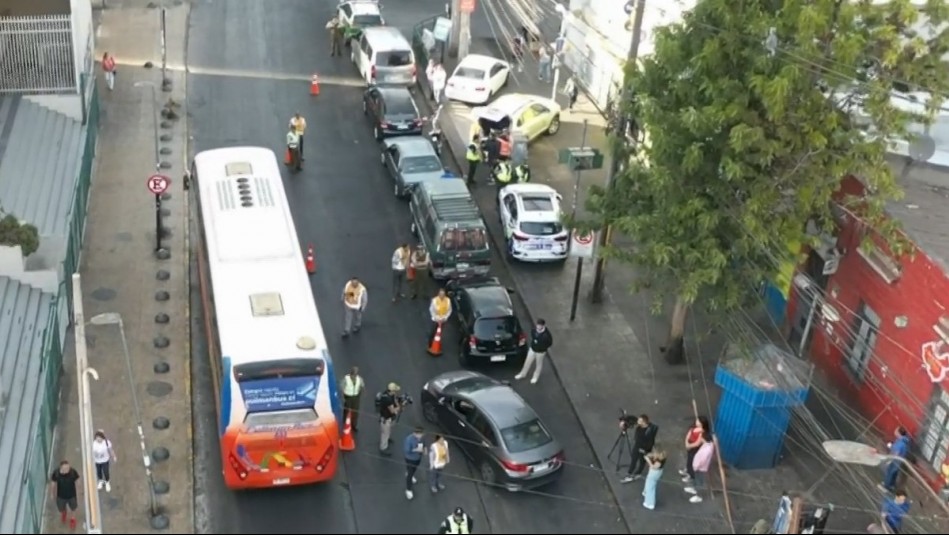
x,y
559,197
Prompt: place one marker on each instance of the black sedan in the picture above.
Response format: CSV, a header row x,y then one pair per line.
x,y
489,331
495,428
392,112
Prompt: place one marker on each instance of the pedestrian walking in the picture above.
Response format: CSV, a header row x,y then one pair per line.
x,y
437,461
355,299
103,456
543,65
353,385
419,266
108,70
473,157
400,262
517,50
540,342
335,28
700,466
895,508
387,403
430,76
439,78
644,439
693,440
439,310
413,448
293,150
656,461
64,490
572,90
298,125
458,522
899,449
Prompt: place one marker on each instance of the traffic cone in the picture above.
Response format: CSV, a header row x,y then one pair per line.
x,y
310,260
346,441
287,157
315,85
435,349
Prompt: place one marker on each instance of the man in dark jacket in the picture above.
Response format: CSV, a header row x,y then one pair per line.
x,y
540,342
644,439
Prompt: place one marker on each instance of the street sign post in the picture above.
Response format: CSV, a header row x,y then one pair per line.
x,y
581,244
157,185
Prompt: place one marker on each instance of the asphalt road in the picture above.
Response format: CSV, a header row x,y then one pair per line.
x,y
260,52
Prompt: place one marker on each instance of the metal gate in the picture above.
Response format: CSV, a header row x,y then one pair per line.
x,y
36,55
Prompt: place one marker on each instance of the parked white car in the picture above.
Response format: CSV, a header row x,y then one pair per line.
x,y
477,78
531,218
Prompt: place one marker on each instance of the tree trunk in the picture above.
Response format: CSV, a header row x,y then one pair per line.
x,y
674,350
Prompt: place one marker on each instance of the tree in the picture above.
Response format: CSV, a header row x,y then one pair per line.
x,y
12,233
751,113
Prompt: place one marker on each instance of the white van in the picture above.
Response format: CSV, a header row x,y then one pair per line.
x,y
385,57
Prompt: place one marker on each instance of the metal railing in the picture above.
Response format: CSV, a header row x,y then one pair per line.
x,y
36,55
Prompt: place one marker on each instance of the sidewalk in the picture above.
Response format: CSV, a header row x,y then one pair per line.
x,y
121,274
628,371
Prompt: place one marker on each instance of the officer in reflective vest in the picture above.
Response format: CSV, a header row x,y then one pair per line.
x,y
457,523
439,310
502,173
353,386
473,156
522,173
293,148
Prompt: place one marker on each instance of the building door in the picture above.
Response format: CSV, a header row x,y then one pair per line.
x,y
935,439
802,326
866,326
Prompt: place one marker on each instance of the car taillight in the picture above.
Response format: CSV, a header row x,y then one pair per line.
x,y
521,237
325,459
237,466
480,88
418,122
372,72
560,457
384,124
515,467
472,342
414,70
522,339
561,238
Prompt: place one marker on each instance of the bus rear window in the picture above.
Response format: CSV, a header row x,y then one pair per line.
x,y
464,239
280,418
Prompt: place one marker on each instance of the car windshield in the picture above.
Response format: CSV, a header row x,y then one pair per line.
x,y
541,229
469,72
463,239
394,58
421,164
526,436
367,20
491,328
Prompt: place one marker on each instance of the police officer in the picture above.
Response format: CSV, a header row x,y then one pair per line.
x,y
293,145
503,173
353,386
522,173
457,523
439,310
473,156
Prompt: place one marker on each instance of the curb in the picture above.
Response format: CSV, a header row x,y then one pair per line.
x,y
498,242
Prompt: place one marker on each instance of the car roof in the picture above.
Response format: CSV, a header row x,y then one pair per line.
x,y
447,187
412,145
498,401
478,61
395,94
364,7
536,191
488,297
386,38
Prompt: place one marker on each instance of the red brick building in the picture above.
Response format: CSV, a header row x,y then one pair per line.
x,y
878,325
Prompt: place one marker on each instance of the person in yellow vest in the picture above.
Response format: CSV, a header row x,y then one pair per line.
x,y
437,460
298,125
458,523
355,299
419,264
293,146
439,310
473,156
502,173
353,385
522,174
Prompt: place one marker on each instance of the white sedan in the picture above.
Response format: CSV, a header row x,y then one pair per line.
x,y
531,218
477,79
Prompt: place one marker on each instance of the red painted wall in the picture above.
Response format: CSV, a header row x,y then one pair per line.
x,y
895,383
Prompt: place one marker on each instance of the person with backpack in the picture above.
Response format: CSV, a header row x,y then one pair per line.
x,y
388,406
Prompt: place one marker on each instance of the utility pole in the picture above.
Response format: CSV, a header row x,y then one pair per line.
x,y
620,120
454,9
464,30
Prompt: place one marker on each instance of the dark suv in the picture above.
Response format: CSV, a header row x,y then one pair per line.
x,y
392,111
488,328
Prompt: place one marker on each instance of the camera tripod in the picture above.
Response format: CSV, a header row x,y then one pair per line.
x,y
620,446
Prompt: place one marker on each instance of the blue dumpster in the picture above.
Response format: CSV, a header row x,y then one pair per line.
x,y
760,389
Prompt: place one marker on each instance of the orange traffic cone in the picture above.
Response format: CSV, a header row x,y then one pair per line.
x,y
310,260
315,85
287,157
435,349
346,441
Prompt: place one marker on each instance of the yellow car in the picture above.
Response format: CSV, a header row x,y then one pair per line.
x,y
530,115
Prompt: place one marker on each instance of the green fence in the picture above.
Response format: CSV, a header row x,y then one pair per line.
x,y
39,461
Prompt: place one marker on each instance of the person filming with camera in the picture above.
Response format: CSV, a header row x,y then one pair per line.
x,y
644,440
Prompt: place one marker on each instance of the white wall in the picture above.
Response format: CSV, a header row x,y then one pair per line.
x,y
83,39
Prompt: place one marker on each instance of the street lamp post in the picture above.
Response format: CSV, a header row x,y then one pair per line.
x,y
114,318
84,373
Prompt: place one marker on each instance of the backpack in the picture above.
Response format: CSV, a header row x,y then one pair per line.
x,y
379,397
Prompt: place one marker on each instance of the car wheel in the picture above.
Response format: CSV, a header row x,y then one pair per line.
x,y
554,126
429,412
365,109
488,473
376,132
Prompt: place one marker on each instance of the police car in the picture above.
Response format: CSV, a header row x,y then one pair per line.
x,y
355,15
531,218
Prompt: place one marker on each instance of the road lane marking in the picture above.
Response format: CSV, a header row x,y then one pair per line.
x,y
251,74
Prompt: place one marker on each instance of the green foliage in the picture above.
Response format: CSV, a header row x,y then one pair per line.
x,y
24,235
744,147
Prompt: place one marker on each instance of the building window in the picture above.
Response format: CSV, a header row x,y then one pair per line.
x,y
935,439
866,325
